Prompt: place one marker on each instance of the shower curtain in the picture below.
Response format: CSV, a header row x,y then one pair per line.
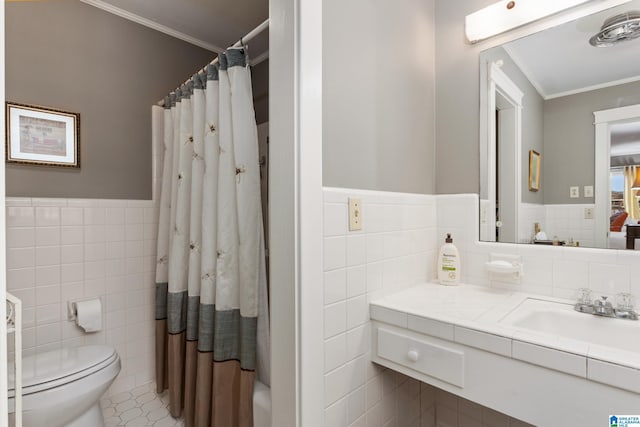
x,y
210,275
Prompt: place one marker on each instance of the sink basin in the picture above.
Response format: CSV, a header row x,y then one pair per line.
x,y
560,319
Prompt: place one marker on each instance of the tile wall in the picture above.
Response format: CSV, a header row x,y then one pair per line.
x,y
529,214
565,221
554,271
444,409
394,250
64,249
72,249
569,222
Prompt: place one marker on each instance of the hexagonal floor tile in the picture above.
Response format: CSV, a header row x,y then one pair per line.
x,y
139,407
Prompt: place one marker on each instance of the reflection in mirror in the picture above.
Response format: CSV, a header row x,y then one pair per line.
x,y
585,181
616,197
504,130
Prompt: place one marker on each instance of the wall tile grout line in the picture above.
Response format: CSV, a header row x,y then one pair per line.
x,y
399,252
68,255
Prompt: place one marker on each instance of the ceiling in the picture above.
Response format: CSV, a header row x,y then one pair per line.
x,y
560,61
211,24
625,144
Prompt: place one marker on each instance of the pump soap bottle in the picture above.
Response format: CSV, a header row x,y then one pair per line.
x,y
448,263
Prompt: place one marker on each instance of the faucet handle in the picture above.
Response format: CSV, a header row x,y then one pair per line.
x,y
625,301
584,296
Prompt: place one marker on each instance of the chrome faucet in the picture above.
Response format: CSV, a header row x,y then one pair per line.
x,y
624,307
602,307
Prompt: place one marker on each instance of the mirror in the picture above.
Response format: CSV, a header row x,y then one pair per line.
x,y
560,137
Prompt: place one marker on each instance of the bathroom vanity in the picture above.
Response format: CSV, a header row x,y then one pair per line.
x,y
531,357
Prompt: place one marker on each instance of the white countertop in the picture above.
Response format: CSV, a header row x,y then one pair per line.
x,y
461,303
457,312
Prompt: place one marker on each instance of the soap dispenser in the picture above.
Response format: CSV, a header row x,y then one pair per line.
x,y
448,263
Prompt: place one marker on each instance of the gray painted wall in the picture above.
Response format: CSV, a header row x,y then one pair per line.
x,y
569,139
378,95
457,119
75,57
457,98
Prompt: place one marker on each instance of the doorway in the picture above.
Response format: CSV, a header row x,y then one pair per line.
x,y
504,135
607,123
506,161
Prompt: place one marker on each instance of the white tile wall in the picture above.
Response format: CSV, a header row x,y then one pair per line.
x,y
63,249
528,215
553,271
443,409
564,221
397,248
394,250
68,249
569,222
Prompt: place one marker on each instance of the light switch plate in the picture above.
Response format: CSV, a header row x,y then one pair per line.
x,y
588,213
588,191
574,192
355,214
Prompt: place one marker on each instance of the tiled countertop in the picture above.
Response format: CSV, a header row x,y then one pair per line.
x,y
470,315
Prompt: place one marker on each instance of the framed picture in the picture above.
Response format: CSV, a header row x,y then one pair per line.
x,y
534,170
42,136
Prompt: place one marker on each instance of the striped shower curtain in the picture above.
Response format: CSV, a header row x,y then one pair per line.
x,y
210,276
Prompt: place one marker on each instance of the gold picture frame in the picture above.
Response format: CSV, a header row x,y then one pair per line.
x,y
42,136
534,170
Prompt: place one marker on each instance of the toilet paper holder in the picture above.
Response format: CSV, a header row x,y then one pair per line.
x,y
72,311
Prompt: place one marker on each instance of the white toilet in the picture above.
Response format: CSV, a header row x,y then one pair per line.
x,y
62,388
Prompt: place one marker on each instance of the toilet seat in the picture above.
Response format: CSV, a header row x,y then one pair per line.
x,y
59,367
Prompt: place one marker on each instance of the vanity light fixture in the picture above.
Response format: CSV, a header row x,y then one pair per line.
x,y
617,29
506,15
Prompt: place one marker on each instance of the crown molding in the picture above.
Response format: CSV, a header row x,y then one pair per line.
x,y
153,25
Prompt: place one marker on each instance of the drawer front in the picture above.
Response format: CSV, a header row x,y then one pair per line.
x,y
430,359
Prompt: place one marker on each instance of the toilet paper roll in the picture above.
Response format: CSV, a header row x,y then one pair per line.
x,y
89,315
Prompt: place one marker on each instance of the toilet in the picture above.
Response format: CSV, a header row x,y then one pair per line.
x,y
62,388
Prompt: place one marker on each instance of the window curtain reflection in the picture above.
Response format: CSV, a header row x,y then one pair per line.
x,y
630,199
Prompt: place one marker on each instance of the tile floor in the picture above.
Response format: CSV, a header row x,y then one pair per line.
x,y
137,408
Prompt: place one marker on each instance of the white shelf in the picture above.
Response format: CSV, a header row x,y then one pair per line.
x,y
503,267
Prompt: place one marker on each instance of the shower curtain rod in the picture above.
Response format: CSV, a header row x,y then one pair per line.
x,y
249,36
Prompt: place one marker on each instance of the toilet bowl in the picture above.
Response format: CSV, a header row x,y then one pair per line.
x,y
62,388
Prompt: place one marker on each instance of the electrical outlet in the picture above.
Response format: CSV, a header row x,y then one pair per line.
x,y
355,214
574,192
588,213
588,191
